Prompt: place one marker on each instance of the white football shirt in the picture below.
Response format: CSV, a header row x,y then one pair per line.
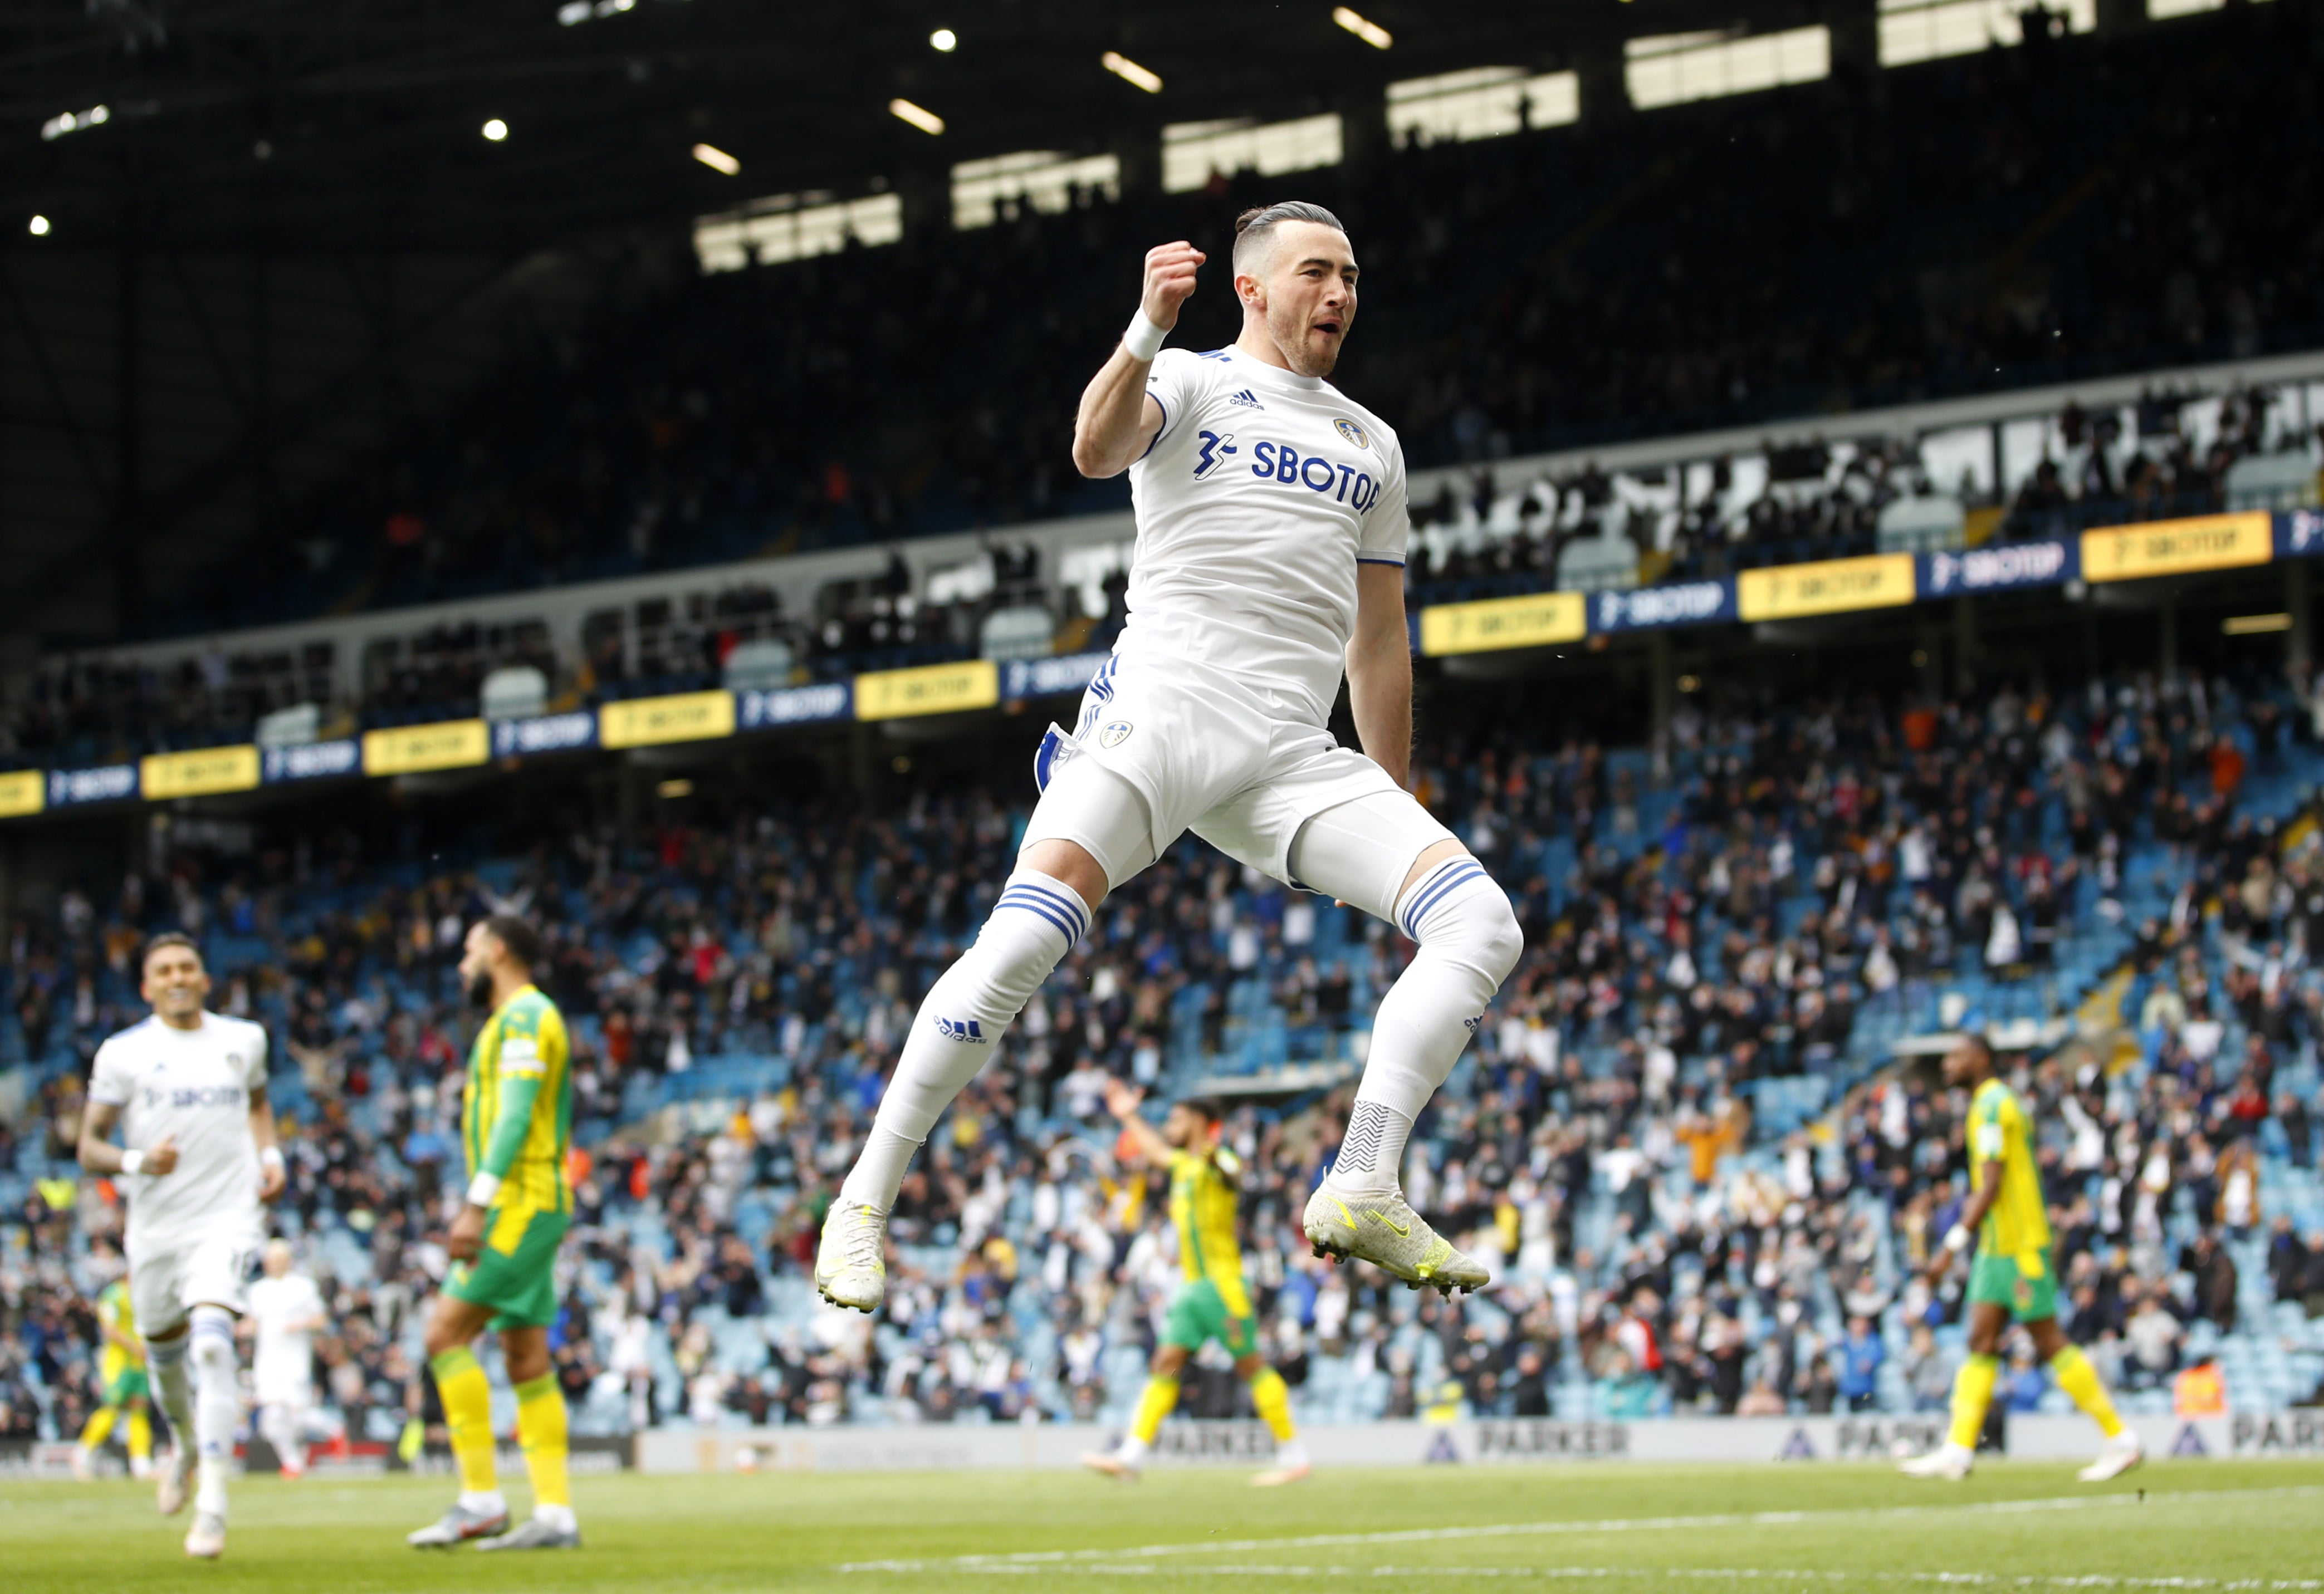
x,y
1260,496
193,1085
282,1362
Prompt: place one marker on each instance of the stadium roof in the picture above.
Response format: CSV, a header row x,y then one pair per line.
x,y
265,228
359,126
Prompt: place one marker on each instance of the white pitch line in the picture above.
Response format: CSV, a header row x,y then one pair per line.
x,y
1727,1574
1612,1525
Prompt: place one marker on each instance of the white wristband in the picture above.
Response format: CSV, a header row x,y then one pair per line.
x,y
1143,338
1955,1239
271,1157
132,1162
481,1189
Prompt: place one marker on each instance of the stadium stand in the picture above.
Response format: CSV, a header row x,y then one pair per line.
x,y
1984,222
1692,1137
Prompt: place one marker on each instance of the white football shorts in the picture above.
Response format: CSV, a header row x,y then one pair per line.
x,y
1199,751
167,1284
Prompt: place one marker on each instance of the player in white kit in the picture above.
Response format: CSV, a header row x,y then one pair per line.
x,y
189,1089
286,1313
1269,560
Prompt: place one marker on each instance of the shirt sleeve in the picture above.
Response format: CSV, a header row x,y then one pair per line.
x,y
253,1076
1988,1136
1175,382
109,1084
1386,525
523,1044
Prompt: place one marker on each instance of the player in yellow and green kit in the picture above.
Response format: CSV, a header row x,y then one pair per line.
x,y
516,1125
1212,1303
2014,1276
121,1378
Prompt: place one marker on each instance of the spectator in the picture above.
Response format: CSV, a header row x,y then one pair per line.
x,y
1861,1356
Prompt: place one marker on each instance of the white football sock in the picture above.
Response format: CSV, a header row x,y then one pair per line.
x,y
279,1423
1469,942
1034,924
173,1390
217,1404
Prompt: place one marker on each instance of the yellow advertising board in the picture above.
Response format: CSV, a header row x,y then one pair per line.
x,y
933,688
22,792
199,773
1534,620
2172,547
1829,586
414,749
648,722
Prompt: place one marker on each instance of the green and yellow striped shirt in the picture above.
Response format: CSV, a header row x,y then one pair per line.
x,y
2001,1146
516,1115
1202,1210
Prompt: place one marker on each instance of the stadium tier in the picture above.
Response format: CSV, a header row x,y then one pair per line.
x,y
2027,494
1690,1137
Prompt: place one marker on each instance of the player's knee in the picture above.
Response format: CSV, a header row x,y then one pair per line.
x,y
1498,938
1476,926
213,1343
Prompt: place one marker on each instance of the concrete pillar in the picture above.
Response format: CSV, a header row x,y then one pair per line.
x,y
1363,127
1964,645
1605,93
1855,28
925,187
1139,151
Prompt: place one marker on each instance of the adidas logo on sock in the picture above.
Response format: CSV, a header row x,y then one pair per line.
x,y
960,1029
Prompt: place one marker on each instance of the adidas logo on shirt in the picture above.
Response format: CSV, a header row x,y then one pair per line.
x,y
1247,400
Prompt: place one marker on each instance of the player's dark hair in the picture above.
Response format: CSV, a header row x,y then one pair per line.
x,y
169,938
1254,229
1209,1107
522,940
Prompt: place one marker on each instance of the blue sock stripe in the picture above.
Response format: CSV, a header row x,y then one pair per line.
x,y
1058,903
1450,878
1426,897
1064,900
1034,905
166,1349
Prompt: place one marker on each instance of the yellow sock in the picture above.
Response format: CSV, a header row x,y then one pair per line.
x,y
1161,1397
467,1397
1272,1396
2079,1379
141,1435
540,1426
101,1424
1972,1392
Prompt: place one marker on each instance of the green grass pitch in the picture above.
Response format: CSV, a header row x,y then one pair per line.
x,y
2195,1524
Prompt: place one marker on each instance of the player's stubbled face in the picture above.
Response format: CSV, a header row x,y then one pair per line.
x,y
475,965
1311,295
175,983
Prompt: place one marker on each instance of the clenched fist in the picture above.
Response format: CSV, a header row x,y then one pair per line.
x,y
1169,281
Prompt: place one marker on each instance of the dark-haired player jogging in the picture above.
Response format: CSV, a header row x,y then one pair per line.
x,y
188,1087
1213,1303
516,1124
2012,1275
1269,562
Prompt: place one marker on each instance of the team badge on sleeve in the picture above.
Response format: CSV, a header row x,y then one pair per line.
x,y
1115,734
1352,432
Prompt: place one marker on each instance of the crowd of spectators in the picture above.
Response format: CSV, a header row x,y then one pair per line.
x,y
1675,1140
2016,216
